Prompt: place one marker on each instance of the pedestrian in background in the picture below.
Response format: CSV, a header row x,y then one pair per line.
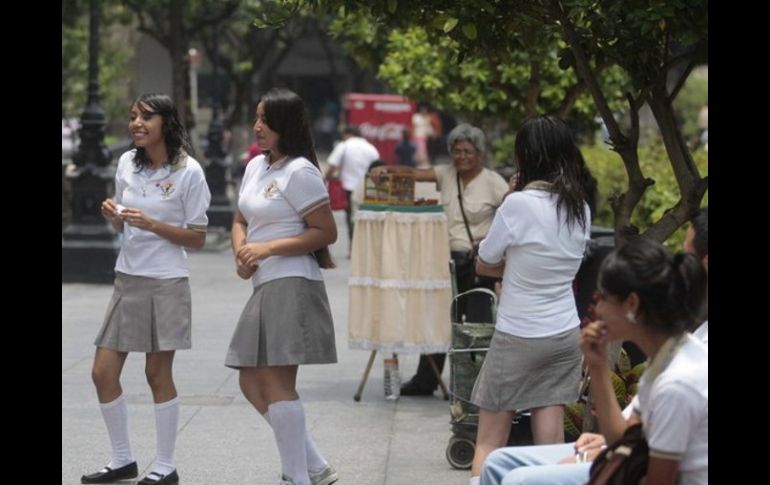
x,y
351,158
280,237
160,204
405,150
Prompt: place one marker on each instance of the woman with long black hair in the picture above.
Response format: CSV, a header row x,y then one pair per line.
x,y
536,244
280,239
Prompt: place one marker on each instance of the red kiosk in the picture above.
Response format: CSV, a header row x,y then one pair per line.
x,y
381,119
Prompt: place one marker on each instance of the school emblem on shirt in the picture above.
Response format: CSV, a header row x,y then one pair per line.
x,y
271,190
166,189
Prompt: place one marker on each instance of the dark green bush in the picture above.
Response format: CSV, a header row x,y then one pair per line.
x,y
608,169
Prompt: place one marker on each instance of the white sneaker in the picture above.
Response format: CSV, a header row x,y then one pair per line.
x,y
327,476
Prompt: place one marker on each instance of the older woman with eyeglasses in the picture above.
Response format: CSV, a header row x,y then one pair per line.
x,y
470,194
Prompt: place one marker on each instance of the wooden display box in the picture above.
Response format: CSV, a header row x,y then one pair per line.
x,y
395,187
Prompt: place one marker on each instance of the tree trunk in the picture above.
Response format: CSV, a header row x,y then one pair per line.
x,y
692,186
177,49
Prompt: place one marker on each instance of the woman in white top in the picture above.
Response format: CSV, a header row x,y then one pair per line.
x,y
650,297
536,243
160,204
280,235
470,194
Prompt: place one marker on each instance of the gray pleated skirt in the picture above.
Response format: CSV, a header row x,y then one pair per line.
x,y
147,315
286,321
523,373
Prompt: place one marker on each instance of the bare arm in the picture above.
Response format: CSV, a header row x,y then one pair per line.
x,y
238,240
661,471
330,171
593,343
494,271
321,231
188,238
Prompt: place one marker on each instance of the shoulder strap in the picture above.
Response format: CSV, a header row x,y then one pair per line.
x,y
462,210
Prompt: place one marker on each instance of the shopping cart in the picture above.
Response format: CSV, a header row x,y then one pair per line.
x,y
469,344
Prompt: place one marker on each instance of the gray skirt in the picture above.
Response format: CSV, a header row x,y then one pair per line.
x,y
147,315
286,321
524,373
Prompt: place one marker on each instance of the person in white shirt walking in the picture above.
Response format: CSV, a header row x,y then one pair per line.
x,y
351,158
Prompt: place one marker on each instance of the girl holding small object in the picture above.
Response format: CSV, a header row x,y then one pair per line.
x,y
160,204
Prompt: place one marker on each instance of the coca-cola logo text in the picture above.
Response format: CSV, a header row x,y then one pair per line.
x,y
388,131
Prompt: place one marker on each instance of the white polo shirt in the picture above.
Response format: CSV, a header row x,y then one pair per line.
x,y
352,158
542,255
274,200
702,332
174,194
673,406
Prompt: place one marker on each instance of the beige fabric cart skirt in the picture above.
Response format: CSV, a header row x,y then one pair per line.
x,y
400,288
147,315
286,321
524,373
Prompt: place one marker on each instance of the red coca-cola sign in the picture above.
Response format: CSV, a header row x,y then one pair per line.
x,y
381,119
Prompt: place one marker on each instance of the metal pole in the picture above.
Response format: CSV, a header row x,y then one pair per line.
x,y
195,61
89,244
220,211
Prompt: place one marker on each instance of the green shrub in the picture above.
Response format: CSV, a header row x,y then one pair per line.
x,y
688,103
608,169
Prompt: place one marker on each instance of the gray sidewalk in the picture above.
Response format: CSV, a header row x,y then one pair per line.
x,y
222,439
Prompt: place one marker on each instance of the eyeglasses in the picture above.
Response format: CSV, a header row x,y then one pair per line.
x,y
459,153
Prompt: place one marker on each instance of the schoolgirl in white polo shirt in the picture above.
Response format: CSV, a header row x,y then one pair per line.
x,y
650,297
280,235
160,204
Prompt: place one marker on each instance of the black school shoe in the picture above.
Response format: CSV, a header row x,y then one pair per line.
x,y
108,475
155,478
412,388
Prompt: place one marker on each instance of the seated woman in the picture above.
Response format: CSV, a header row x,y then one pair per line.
x,y
643,288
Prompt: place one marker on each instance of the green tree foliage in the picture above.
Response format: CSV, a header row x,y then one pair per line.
x,y
607,167
173,23
425,63
655,43
114,59
693,96
250,53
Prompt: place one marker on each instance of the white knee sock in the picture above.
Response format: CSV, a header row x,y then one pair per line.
x,y
115,416
315,460
288,421
166,424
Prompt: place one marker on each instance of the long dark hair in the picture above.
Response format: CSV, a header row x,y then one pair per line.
x,y
671,288
174,135
546,150
286,115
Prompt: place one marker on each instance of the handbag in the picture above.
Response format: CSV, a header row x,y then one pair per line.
x,y
338,198
624,462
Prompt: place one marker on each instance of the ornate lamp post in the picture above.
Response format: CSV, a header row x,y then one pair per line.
x,y
194,58
89,244
220,211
